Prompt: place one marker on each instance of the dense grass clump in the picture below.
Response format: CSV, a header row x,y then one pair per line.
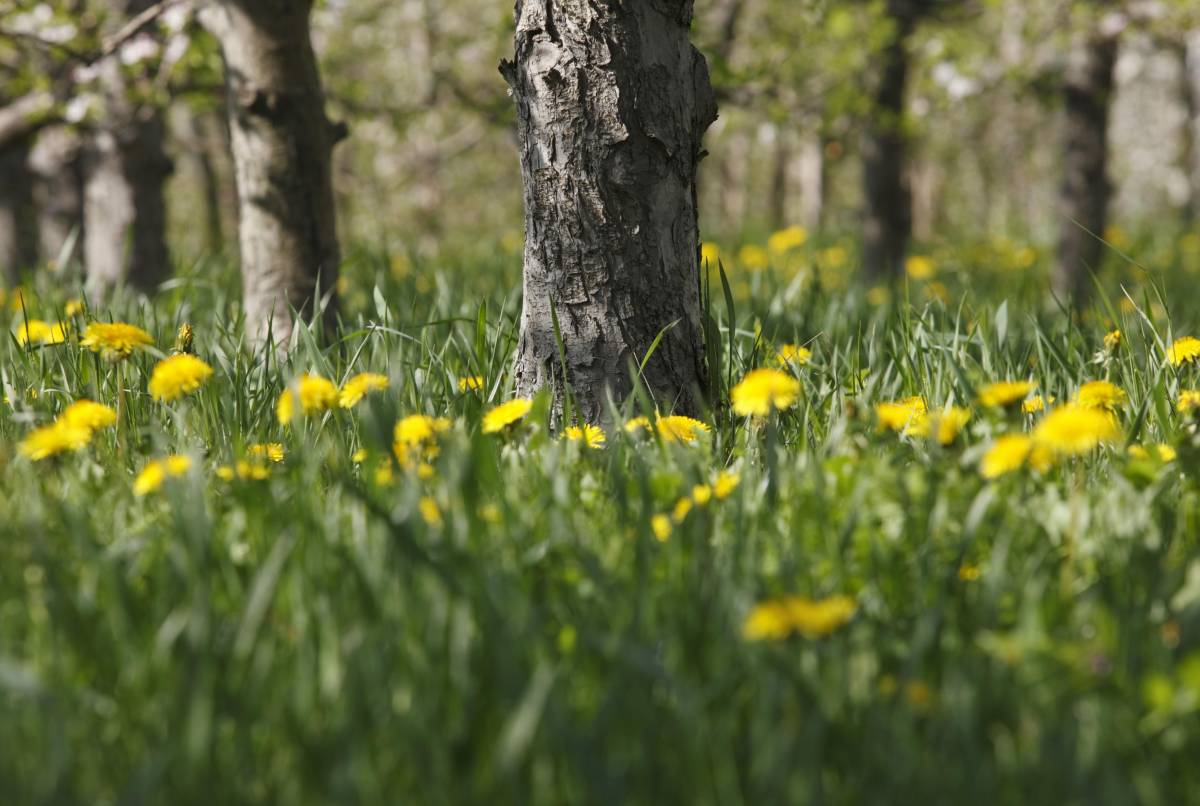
x,y
833,596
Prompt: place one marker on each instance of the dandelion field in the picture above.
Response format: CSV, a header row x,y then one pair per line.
x,y
868,574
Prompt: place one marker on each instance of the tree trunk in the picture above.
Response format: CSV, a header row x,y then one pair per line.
x,y
58,189
810,178
612,104
1191,96
18,218
777,199
887,220
282,151
1085,190
125,170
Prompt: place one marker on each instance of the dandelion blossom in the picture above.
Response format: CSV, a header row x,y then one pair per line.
x,y
1004,394
591,436
115,340
1007,455
272,451
357,388
920,267
1112,340
1184,351
898,415
677,428
506,414
1100,395
178,375
414,439
51,440
776,619
470,383
316,394
88,414
764,390
35,331
158,471
725,484
1189,401
785,240
1036,404
661,526
793,354
1075,429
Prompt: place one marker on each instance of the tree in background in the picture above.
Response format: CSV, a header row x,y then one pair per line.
x,y
612,104
1085,192
282,145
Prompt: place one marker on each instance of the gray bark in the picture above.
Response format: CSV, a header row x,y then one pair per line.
x,y
58,189
887,217
1085,191
612,104
282,146
18,219
1191,97
125,170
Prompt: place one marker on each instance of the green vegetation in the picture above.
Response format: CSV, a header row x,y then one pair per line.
x,y
517,618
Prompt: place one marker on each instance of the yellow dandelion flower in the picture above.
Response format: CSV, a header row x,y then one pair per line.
x,y
1036,404
35,331
753,257
900,414
1100,395
591,436
710,253
74,307
158,471
637,424
764,390
88,414
785,240
418,429
1161,452
1075,429
471,383
357,388
793,354
677,428
316,394
661,526
430,512
244,471
725,484
968,572
272,451
1184,351
878,295
1007,454
920,267
51,440
950,424
359,456
1003,394
115,340
1112,340
506,414
702,494
1189,401
778,618
178,375
682,507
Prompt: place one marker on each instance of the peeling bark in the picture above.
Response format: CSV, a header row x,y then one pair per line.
x,y
1085,191
612,104
887,218
18,219
282,145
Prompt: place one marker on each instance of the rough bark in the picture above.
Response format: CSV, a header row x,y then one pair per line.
x,y
18,219
58,189
282,146
1191,98
887,215
612,104
1085,191
125,170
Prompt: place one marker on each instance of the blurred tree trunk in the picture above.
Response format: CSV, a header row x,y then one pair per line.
x,y
887,220
18,217
1085,190
811,179
1191,98
58,189
612,104
781,162
282,145
200,145
125,169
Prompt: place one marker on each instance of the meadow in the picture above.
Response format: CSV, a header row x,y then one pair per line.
x,y
867,575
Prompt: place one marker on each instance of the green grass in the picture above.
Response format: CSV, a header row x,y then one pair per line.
x,y
311,638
